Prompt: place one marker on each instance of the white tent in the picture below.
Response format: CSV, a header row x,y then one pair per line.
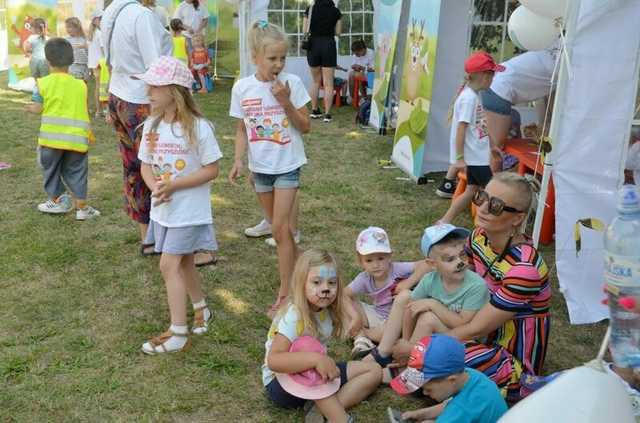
x,y
590,131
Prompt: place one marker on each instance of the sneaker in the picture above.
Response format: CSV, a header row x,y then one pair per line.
x,y
87,213
63,205
446,188
272,242
315,114
261,229
327,118
362,347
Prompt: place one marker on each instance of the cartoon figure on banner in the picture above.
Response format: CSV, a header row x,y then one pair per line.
x,y
23,33
418,59
383,50
590,223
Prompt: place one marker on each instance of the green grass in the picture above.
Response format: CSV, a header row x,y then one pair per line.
x,y
78,301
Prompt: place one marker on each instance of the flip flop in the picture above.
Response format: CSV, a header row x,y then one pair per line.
x,y
212,262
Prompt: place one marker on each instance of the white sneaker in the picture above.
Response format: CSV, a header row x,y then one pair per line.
x,y
87,213
261,229
62,206
272,242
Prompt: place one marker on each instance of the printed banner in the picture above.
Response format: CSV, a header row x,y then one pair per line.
x,y
416,89
386,20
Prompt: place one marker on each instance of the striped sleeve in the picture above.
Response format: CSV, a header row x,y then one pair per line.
x,y
521,285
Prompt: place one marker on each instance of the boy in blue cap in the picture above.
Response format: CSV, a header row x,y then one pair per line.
x,y
436,365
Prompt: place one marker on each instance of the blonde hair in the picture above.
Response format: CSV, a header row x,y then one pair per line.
x,y
262,34
526,187
75,23
469,77
92,29
313,258
198,37
187,113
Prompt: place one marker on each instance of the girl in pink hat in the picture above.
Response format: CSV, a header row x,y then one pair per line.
x,y
179,140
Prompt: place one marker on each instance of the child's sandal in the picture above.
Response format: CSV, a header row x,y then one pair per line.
x,y
200,325
156,345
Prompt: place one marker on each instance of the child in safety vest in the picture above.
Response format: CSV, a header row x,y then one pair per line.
x,y
64,136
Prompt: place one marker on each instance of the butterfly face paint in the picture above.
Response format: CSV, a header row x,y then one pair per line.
x,y
321,287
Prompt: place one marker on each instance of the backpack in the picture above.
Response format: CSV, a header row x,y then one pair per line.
x,y
362,117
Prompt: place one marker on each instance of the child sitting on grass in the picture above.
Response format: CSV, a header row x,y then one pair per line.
x,y
444,299
380,280
437,367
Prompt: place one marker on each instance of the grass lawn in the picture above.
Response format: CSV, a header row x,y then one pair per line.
x,y
78,301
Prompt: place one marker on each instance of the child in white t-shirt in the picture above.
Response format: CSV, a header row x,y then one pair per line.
x,y
470,147
179,155
272,116
362,63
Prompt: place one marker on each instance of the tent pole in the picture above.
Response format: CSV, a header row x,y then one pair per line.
x,y
571,19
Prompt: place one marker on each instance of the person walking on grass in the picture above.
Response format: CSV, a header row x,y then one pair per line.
x,y
272,116
63,142
179,155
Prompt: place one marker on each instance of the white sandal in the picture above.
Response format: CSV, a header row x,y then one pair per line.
x,y
156,345
200,325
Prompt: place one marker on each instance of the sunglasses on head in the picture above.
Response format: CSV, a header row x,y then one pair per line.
x,y
496,205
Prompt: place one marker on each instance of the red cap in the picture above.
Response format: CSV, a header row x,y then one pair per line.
x,y
481,62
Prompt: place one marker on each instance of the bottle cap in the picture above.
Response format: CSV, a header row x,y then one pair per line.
x,y
628,199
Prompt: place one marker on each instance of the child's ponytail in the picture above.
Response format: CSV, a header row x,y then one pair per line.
x,y
263,33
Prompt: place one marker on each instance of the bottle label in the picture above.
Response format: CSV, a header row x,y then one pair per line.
x,y
621,270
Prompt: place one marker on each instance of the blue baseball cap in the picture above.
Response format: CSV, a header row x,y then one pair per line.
x,y
434,234
432,357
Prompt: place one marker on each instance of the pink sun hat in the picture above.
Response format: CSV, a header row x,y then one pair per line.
x,y
166,70
308,384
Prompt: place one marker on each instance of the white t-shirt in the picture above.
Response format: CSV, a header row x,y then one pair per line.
x,y
633,161
365,61
138,39
171,158
291,326
468,108
191,17
95,49
275,146
527,77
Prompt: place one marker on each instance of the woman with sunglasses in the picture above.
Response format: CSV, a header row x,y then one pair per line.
x,y
514,325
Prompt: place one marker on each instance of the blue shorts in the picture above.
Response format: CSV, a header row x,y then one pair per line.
x,y
266,183
494,103
282,398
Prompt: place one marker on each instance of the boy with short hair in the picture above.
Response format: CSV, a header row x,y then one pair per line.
x,y
445,298
381,279
64,136
436,365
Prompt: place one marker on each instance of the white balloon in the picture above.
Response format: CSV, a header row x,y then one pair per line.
x,y
549,8
531,31
580,395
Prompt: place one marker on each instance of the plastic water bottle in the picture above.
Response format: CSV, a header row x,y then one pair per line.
x,y
622,276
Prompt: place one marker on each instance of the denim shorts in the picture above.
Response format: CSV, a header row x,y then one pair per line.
x,y
494,103
266,183
282,398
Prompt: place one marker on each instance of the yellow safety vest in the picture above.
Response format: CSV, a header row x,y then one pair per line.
x,y
180,49
65,118
103,90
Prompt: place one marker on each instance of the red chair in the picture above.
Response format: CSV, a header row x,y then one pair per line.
x,y
337,93
357,80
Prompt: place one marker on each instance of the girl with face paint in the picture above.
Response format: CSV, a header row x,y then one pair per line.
x,y
315,308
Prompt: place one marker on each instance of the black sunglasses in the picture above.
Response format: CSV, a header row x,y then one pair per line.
x,y
496,205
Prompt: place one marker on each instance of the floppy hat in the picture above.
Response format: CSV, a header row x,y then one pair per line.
x,y
434,234
166,70
481,62
373,240
432,357
308,384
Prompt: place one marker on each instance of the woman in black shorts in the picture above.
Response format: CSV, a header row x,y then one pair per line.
x,y
322,55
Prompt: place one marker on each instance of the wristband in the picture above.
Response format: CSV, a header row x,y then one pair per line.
x,y
459,156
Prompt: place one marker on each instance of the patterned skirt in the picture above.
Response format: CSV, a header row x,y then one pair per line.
x,y
127,121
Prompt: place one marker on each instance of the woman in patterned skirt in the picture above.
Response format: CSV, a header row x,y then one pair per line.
x,y
507,338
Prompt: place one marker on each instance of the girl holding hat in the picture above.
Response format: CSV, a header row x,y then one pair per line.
x,y
179,155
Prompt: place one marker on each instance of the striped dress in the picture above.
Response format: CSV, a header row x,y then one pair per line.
x,y
519,284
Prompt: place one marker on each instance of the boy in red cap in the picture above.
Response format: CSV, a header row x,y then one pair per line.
x,y
436,366
470,145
